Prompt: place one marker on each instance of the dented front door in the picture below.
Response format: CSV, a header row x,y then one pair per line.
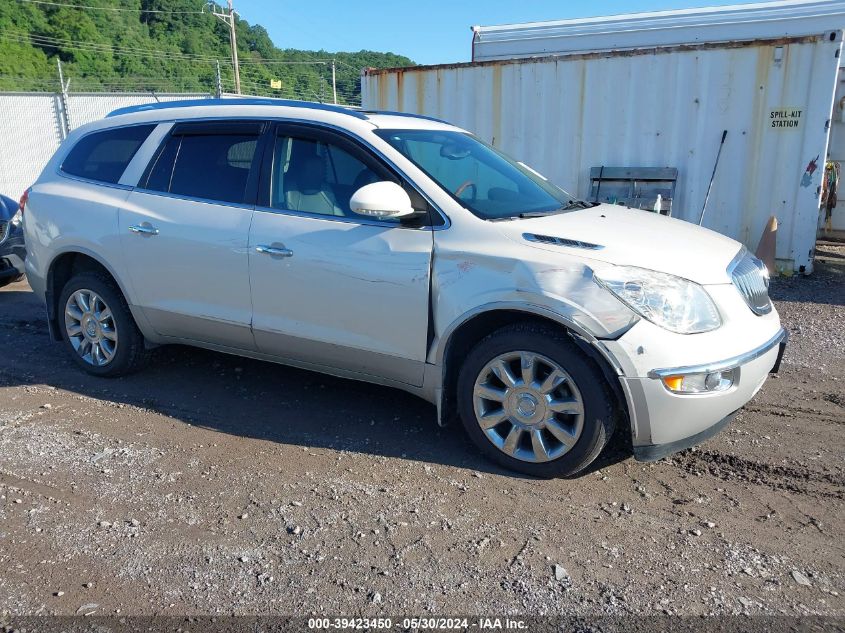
x,y
341,294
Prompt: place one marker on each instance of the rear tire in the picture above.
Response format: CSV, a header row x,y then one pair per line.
x,y
97,327
533,402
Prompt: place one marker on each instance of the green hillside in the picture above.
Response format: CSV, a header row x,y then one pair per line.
x,y
161,46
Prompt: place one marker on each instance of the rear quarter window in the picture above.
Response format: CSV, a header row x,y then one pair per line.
x,y
103,156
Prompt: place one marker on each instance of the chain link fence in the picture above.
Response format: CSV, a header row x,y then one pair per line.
x,y
33,126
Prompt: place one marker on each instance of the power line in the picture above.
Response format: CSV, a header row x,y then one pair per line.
x,y
93,8
43,40
274,62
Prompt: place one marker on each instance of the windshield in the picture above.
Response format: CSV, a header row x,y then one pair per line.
x,y
482,179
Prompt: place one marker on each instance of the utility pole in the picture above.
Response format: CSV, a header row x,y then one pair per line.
x,y
229,20
334,83
64,116
218,88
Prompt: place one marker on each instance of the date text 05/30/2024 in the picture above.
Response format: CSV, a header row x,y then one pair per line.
x,y
419,623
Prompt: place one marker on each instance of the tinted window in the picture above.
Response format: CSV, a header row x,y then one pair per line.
x,y
104,155
159,178
212,166
316,177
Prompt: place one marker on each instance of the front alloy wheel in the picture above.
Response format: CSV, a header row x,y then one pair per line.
x,y
90,327
534,402
528,406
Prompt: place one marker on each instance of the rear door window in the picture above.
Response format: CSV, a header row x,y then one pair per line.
x,y
205,161
103,156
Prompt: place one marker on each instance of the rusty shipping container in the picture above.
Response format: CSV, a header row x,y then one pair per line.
x,y
649,104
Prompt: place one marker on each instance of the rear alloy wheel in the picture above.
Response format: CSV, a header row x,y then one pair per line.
x,y
90,327
98,327
533,402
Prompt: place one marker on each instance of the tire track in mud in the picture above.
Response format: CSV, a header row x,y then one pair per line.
x,y
793,479
792,411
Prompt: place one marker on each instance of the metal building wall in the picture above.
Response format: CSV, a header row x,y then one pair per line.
x,y
741,22
654,108
31,128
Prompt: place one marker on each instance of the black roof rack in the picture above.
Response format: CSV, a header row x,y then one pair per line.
x,y
407,114
166,105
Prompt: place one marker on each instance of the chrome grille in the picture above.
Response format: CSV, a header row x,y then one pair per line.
x,y
751,278
4,229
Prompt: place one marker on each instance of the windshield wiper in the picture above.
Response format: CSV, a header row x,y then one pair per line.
x,y
572,204
525,215
579,204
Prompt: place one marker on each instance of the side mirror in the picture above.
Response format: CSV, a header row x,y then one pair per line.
x,y
381,200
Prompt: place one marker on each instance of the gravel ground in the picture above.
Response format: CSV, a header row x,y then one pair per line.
x,y
209,484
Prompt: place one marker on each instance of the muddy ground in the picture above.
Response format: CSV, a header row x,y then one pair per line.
x,y
211,484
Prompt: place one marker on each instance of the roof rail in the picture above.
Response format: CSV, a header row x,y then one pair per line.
x,y
407,114
187,103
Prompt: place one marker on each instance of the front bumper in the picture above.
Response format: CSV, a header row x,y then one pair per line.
x,y
669,422
11,266
12,254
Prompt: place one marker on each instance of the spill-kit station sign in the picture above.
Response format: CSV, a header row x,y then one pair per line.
x,y
785,118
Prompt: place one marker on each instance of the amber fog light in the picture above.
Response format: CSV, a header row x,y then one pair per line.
x,y
701,382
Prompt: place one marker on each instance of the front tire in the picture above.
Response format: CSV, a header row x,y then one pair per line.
x,y
533,402
97,326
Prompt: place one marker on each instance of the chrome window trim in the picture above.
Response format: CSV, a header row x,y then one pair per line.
x,y
91,181
342,218
179,196
730,363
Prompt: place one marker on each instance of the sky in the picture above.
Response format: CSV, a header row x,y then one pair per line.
x,y
427,31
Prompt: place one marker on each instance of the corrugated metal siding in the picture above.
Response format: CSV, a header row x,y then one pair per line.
x,y
653,109
31,128
743,22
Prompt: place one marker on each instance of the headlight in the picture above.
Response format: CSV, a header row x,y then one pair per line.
x,y
17,219
673,303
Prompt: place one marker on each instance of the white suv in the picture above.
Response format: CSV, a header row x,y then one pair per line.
x,y
403,251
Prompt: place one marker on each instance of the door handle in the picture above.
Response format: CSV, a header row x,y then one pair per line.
x,y
144,229
275,251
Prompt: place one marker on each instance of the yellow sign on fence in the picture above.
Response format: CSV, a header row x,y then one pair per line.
x,y
276,83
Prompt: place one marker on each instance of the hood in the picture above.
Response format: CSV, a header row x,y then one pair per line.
x,y
631,237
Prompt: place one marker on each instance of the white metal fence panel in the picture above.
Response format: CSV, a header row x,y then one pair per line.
x,y
30,133
657,108
31,128
87,107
